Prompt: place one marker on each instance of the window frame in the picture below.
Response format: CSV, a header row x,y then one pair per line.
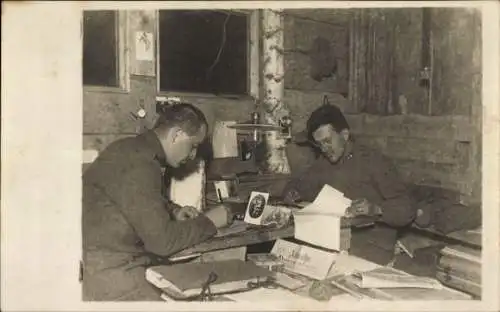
x,y
253,60
122,54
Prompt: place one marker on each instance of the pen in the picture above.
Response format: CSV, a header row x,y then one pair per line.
x,y
220,195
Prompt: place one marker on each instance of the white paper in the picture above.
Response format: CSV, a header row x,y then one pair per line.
x,y
275,295
144,46
304,260
320,222
328,201
323,231
222,189
190,190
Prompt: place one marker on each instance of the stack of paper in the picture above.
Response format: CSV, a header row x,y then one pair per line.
x,y
459,267
319,223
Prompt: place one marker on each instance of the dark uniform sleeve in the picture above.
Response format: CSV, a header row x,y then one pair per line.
x,y
307,182
397,208
140,200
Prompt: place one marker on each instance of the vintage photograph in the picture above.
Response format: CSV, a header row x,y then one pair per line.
x,y
358,129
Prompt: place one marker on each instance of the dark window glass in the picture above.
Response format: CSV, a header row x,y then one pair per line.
x,y
100,57
203,51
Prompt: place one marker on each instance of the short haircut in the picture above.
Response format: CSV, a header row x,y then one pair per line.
x,y
185,116
326,115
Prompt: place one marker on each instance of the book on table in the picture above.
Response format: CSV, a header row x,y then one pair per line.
x,y
187,280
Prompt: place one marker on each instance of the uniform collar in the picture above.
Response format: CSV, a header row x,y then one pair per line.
x,y
349,152
152,140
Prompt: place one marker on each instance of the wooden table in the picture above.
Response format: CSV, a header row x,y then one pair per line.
x,y
254,235
249,237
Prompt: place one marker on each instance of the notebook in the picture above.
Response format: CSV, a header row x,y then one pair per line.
x,y
186,280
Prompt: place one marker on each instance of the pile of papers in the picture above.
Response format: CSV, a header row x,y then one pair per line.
x,y
319,223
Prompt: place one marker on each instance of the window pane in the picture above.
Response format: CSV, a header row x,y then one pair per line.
x,y
190,42
100,48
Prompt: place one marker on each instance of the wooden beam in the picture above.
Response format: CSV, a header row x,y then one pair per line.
x,y
274,88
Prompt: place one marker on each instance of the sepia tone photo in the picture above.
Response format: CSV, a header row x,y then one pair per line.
x,y
365,123
338,155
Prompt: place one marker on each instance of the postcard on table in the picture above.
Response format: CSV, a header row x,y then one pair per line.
x,y
255,208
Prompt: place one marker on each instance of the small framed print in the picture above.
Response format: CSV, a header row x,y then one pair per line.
x,y
255,208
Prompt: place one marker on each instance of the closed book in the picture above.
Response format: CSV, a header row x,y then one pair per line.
x,y
186,280
462,252
461,268
459,261
459,283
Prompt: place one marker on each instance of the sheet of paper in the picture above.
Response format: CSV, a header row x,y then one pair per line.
x,y
222,189
189,191
328,201
323,231
304,260
265,294
144,50
319,223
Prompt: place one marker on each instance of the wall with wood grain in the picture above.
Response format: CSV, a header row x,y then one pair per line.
x,y
433,130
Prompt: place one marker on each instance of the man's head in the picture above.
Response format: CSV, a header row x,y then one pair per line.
x,y
328,129
181,128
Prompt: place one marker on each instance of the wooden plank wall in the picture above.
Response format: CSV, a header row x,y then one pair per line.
x,y
433,134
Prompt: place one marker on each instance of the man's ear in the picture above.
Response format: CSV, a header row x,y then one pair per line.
x,y
345,134
177,134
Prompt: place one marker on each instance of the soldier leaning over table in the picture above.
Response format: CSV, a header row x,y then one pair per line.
x,y
127,223
363,174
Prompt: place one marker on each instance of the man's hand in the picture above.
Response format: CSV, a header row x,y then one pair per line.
x,y
291,197
185,213
220,216
362,207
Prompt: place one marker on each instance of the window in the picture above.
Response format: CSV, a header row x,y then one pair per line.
x,y
205,51
103,42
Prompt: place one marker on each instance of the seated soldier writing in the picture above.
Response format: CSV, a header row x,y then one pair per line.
x,y
128,224
363,174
